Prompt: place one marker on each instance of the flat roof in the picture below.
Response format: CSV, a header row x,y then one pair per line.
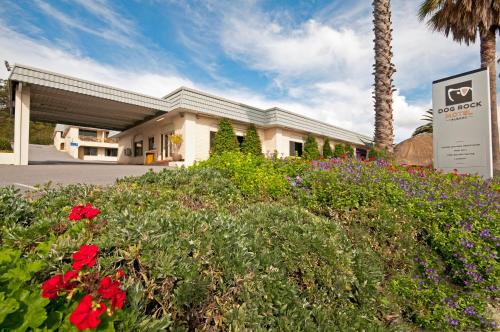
x,y
58,98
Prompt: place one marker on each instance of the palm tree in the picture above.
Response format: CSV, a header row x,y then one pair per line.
x,y
427,127
384,69
465,20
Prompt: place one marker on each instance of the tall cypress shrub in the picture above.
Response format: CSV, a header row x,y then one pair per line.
x,y
339,150
311,150
327,149
251,142
349,150
225,139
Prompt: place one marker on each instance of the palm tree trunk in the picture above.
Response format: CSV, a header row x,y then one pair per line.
x,y
384,69
488,59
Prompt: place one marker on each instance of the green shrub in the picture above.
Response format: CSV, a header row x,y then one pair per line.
x,y
251,142
311,150
375,154
241,242
225,139
349,150
21,306
14,208
5,145
327,149
339,150
254,176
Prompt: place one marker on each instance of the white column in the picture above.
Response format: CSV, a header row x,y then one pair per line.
x,y
21,124
279,144
189,138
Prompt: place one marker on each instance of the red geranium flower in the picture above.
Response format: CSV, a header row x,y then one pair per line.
x,y
86,256
76,213
51,287
79,212
90,212
85,316
69,279
111,291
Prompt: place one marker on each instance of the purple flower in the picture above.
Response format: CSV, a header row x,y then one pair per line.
x,y
485,233
469,311
453,321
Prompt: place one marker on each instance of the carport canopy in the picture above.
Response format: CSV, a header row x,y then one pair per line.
x,y
58,98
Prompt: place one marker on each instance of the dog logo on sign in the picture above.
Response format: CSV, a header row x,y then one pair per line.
x,y
459,93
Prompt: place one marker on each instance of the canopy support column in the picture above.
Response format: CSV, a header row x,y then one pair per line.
x,y
21,124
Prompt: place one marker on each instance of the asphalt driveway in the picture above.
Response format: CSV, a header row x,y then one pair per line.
x,y
46,164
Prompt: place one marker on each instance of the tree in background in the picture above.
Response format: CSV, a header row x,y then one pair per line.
x,y
311,150
225,139
427,127
327,149
3,95
384,69
339,150
251,142
464,20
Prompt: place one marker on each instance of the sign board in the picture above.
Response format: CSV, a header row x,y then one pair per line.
x,y
73,144
462,123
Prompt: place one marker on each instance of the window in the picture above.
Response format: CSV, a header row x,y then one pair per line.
x,y
361,153
240,140
111,152
151,143
212,139
89,151
90,133
295,149
138,149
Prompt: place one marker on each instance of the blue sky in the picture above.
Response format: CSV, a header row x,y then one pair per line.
x,y
310,57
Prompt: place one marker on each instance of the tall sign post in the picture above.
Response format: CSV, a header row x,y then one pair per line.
x,y
462,123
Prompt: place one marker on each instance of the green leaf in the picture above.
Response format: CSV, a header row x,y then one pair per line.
x,y
35,313
7,306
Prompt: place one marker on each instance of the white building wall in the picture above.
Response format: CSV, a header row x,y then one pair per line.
x,y
75,147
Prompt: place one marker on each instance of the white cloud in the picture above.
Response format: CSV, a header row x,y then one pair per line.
x,y
313,49
15,47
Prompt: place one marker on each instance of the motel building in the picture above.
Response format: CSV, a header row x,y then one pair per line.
x,y
86,143
178,128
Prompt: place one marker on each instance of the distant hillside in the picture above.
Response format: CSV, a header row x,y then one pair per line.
x,y
40,132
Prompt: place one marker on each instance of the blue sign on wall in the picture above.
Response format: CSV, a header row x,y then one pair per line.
x,y
74,144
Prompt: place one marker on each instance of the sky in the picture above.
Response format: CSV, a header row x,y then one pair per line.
x,y
311,57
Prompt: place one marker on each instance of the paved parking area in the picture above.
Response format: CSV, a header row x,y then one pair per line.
x,y
49,165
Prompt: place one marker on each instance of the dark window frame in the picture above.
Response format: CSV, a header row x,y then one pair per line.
x,y
212,140
138,149
114,154
240,139
88,133
151,143
87,149
296,147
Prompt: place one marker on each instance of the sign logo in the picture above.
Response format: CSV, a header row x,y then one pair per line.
x,y
459,93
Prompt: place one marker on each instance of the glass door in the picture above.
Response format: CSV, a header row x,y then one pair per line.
x,y
167,146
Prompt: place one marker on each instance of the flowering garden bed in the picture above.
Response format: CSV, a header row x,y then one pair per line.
x,y
241,242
